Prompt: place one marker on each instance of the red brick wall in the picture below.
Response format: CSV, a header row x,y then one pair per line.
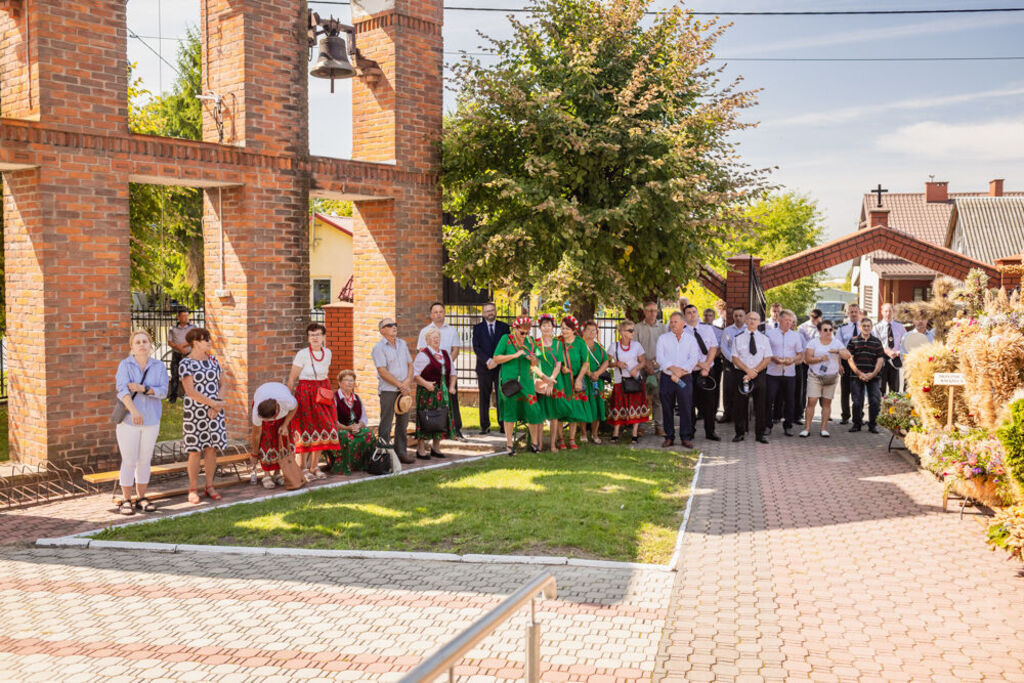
x,y
338,321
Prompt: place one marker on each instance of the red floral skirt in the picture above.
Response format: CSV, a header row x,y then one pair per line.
x,y
627,409
315,425
273,446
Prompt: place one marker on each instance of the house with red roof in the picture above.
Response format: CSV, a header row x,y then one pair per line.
x,y
330,258
984,226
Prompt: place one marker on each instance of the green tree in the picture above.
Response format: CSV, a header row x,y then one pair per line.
x,y
166,222
594,155
330,207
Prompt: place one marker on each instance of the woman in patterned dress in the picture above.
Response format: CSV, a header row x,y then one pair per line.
x,y
203,425
549,385
575,364
598,362
627,409
432,371
515,354
357,441
315,426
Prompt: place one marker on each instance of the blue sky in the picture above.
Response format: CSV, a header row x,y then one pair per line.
x,y
833,129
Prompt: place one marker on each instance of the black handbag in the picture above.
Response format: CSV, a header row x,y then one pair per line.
x,y
510,388
380,462
631,385
432,421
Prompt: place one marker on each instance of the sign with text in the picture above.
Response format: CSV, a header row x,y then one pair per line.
x,y
950,379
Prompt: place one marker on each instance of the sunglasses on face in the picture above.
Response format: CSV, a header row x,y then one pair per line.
x,y
628,329
390,325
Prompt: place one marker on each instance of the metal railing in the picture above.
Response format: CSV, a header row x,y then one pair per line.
x,y
448,656
758,302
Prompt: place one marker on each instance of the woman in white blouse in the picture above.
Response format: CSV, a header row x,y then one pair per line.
x,y
627,407
314,427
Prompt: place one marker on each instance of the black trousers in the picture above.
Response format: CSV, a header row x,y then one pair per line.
x,y
782,398
453,400
728,385
487,385
174,388
844,393
759,396
672,394
705,403
890,377
801,391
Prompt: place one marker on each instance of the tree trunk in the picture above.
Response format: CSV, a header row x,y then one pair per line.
x,y
585,310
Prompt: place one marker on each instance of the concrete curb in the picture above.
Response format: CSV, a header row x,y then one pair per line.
x,y
85,540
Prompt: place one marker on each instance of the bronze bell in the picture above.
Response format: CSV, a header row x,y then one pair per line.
x,y
333,60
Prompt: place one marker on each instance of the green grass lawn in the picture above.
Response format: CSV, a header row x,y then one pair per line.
x,y
611,503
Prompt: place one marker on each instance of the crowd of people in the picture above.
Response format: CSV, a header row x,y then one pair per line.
x,y
559,373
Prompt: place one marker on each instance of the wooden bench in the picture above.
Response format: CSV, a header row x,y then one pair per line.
x,y
233,460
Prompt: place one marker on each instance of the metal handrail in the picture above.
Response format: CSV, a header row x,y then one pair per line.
x,y
450,654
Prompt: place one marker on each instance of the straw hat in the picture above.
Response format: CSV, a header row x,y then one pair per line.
x,y
403,404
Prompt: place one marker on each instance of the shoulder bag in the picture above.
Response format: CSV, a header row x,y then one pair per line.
x,y
434,420
827,380
630,385
380,461
120,409
511,387
324,395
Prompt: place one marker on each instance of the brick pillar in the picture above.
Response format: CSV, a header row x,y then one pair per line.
x,y
878,218
737,280
338,321
66,228
397,243
257,303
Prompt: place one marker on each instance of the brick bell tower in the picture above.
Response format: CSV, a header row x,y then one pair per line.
x,y
67,158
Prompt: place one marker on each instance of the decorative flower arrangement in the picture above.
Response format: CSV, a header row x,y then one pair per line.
x,y
973,458
1007,531
898,413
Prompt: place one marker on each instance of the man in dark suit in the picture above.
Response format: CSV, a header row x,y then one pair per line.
x,y
486,336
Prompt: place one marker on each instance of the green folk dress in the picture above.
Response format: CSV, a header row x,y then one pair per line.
x,y
576,406
595,387
521,407
552,407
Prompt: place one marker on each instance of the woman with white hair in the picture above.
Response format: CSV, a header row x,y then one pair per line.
x,y
435,381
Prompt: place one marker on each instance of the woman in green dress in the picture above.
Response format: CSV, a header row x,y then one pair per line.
x,y
598,362
516,354
575,364
550,386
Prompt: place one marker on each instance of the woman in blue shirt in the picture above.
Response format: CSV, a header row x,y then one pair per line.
x,y
141,385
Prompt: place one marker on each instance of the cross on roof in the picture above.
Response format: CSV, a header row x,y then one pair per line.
x,y
878,190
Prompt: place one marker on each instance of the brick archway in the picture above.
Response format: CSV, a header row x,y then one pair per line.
x,y
734,287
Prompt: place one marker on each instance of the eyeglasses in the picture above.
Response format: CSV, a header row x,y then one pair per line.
x,y
389,325
628,329
826,329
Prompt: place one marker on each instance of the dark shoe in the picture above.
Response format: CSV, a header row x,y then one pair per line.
x,y
422,457
798,422
510,450
738,437
762,439
658,431
407,460
787,431
437,454
686,444
634,440
713,437
459,437
534,449
855,428
845,421
873,429
721,419
668,442
484,432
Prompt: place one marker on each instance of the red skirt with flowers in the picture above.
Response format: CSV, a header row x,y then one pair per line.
x,y
627,409
273,446
314,427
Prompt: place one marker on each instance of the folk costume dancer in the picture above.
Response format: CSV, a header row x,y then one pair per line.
x,y
575,363
597,363
551,387
515,354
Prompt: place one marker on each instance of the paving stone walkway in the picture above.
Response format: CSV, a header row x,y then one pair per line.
x,y
804,559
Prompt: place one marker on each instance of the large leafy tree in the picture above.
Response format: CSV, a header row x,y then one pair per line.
x,y
166,222
594,155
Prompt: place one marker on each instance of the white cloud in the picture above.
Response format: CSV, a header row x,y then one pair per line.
x,y
846,114
994,140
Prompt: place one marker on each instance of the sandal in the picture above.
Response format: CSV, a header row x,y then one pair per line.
x,y
534,448
145,505
572,445
212,494
635,440
614,438
193,496
596,441
268,482
562,446
510,449
126,507
319,473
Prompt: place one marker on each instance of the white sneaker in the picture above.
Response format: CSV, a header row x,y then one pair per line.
x,y
825,434
805,433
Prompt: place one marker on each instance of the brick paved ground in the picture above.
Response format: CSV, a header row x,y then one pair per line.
x,y
799,563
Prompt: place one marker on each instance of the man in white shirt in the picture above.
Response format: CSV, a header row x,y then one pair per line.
x,y
808,330
728,383
846,332
891,333
773,321
703,400
678,355
787,353
647,334
751,352
393,361
451,343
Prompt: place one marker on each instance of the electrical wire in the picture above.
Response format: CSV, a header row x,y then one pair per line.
x,y
806,13
813,59
136,36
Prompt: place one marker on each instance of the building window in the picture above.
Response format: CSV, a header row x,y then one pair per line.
x,y
869,299
922,293
321,292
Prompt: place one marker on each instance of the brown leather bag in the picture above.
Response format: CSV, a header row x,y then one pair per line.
x,y
292,474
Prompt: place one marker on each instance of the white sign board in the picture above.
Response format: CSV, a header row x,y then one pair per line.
x,y
950,379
